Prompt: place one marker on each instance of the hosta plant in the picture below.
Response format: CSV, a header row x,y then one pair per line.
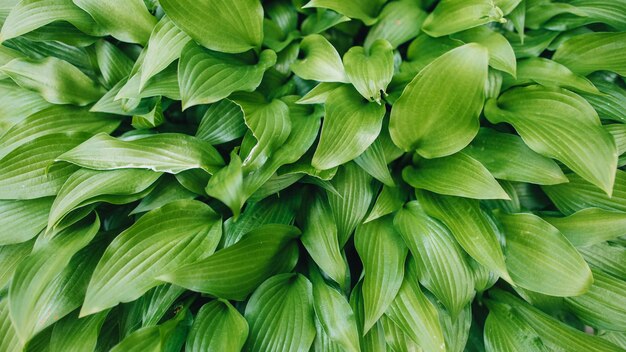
x,y
323,175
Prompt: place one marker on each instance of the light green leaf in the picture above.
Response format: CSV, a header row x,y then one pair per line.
x,y
455,328
151,119
207,76
395,338
157,303
390,199
590,226
611,103
364,10
319,61
559,124
441,263
351,124
399,22
166,191
58,81
550,74
23,219
469,225
113,63
591,52
322,342
222,122
9,340
10,257
76,335
370,70
322,20
451,16
456,175
320,93
539,258
383,254
374,162
501,55
227,185
218,327
166,152
16,103
234,272
374,339
236,30
535,42
504,331
176,234
608,257
86,187
169,336
434,117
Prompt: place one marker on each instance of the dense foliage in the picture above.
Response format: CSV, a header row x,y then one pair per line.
x,y
323,175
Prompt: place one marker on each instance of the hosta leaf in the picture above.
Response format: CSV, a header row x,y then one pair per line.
x,y
16,103
399,22
222,122
507,157
322,342
552,123
76,335
89,186
610,12
9,340
234,272
319,61
451,16
549,73
456,175
603,306
176,234
434,117
539,258
383,254
321,20
374,339
370,70
590,226
455,328
169,336
535,42
591,52
23,219
504,331
611,103
319,93
151,119
351,124
217,327
166,191
366,10
395,338
227,185
167,152
501,55
157,302
58,81
390,199
25,173
374,162
113,63
440,260
469,225
207,76
280,314
10,257
608,257
236,30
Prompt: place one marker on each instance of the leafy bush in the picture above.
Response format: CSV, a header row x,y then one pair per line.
x,y
335,175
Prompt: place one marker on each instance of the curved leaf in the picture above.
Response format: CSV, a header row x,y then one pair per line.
x,y
590,226
364,10
10,257
227,185
504,331
23,219
370,70
75,335
549,73
9,340
217,327
399,22
501,55
591,52
374,162
320,61
390,199
222,122
451,16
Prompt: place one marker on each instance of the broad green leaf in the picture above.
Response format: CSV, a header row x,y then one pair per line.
x,y
579,194
370,70
157,303
518,19
469,225
280,314
441,263
207,76
126,20
604,305
319,61
591,52
10,257
611,103
552,122
364,10
351,125
504,331
535,42
320,93
383,254
166,152
113,63
227,185
321,20
164,83
16,103
415,315
58,81
553,333
166,191
322,342
549,73
436,118
451,16
456,175
590,226
374,162
23,219
169,336
219,25
164,239
501,55
218,327
90,186
455,328
9,340
612,13
539,258
507,157
399,22
26,172
608,257
374,339
395,338
151,119
76,335
390,199
234,272
222,122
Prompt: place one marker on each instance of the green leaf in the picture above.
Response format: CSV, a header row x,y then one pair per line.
x,y
456,175
559,124
26,172
10,257
319,61
539,258
166,191
16,103
507,157
222,122
504,331
322,20
9,340
23,219
451,16
373,340
236,30
399,22
364,10
428,117
113,63
217,327
164,239
550,74
608,257
86,187
58,81
383,254
610,103
469,225
166,152
390,199
455,328
590,226
441,263
591,52
75,335
395,338
501,55
370,70
207,76
351,124
280,314
151,119
374,162
234,272
227,185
